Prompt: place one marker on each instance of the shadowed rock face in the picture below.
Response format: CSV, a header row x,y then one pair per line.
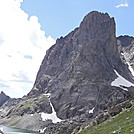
x,y
79,68
126,48
3,98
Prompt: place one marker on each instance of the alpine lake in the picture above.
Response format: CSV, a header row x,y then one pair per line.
x,y
9,130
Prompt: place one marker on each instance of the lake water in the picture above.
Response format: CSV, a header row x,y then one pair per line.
x,y
8,130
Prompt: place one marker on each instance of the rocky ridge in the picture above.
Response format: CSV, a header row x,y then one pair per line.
x,y
78,71
126,49
3,98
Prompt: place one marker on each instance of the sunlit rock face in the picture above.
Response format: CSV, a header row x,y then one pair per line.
x,y
79,69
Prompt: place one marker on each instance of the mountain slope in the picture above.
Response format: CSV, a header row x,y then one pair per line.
x,y
123,123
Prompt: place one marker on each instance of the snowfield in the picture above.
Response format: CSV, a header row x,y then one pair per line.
x,y
121,82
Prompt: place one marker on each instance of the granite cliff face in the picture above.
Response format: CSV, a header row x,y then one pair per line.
x,y
81,74
79,69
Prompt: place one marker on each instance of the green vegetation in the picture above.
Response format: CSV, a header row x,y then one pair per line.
x,y
123,122
14,123
29,106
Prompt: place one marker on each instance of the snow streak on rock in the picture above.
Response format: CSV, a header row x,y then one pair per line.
x,y
91,111
51,116
130,68
121,82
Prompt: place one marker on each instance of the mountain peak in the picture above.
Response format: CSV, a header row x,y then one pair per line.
x,y
95,15
97,25
2,93
3,98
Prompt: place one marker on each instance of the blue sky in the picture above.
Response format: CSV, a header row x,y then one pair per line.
x,y
59,17
29,27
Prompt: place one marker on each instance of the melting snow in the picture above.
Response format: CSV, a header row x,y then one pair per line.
x,y
120,81
122,53
48,95
42,130
1,128
130,68
51,116
91,111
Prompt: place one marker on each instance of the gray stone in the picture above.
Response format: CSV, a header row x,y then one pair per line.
x,y
3,98
115,110
132,131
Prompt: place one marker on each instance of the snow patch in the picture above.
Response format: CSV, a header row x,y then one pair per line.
x,y
35,88
31,114
91,111
1,110
42,130
130,68
122,53
1,128
48,95
121,82
86,126
51,116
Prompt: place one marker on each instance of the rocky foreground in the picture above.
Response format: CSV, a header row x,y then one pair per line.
x,y
122,123
83,75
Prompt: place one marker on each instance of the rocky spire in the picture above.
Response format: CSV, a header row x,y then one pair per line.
x,y
79,68
3,98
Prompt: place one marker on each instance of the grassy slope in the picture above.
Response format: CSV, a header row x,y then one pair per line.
x,y
125,120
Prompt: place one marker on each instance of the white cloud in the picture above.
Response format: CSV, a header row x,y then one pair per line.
x,y
22,48
122,5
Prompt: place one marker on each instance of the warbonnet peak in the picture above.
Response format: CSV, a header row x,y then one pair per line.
x,y
77,79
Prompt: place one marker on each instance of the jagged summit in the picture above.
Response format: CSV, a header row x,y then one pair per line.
x,y
126,40
92,23
96,25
